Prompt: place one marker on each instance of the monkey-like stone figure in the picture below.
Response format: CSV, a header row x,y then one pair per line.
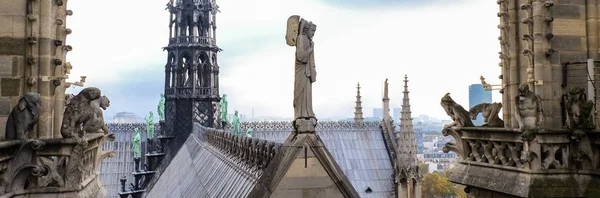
x,y
579,112
79,111
529,112
97,121
23,117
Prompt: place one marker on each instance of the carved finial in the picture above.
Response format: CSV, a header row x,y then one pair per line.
x,y
385,89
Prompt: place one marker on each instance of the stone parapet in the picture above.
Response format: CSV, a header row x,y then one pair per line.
x,y
553,164
57,167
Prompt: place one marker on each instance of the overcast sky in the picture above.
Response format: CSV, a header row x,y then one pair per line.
x,y
443,46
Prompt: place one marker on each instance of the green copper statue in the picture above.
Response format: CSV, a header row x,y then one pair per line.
x,y
224,118
161,108
137,150
150,130
249,132
236,123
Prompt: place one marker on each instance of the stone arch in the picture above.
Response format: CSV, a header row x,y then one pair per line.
x,y
171,68
204,69
184,68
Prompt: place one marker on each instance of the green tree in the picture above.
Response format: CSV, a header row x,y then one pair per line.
x,y
438,186
423,168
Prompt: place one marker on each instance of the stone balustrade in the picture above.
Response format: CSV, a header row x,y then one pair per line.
x,y
551,150
287,125
47,166
252,153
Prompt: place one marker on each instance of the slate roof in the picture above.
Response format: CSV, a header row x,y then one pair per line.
x,y
359,150
200,170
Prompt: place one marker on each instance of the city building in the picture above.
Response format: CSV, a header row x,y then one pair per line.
x,y
125,117
397,112
478,95
377,113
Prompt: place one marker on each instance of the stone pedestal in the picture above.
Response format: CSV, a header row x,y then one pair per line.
x,y
305,125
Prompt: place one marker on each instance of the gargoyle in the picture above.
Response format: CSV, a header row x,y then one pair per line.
x,y
578,110
79,111
97,122
490,114
23,117
529,113
459,115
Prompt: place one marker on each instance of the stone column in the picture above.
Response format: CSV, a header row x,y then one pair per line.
x,y
45,87
403,190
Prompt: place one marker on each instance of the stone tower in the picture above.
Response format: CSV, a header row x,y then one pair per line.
x,y
32,59
192,72
358,114
407,169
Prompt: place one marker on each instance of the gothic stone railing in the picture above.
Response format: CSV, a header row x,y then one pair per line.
x,y
552,152
252,153
189,92
51,165
321,125
193,39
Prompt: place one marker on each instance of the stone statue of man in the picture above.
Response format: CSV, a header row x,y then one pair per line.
x,y
137,150
236,123
305,71
150,130
161,108
300,33
224,118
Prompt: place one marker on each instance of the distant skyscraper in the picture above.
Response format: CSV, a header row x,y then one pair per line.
x,y
378,112
478,95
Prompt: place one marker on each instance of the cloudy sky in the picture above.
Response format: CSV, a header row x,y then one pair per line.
x,y
442,45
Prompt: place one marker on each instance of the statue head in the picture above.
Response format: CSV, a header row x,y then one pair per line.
x,y
309,29
577,93
136,130
30,100
523,89
224,96
104,102
236,112
162,95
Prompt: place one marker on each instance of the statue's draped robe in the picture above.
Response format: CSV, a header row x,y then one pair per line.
x,y
150,127
305,75
236,125
137,151
224,110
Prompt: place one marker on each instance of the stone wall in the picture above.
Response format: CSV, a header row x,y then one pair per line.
x,y
32,59
537,39
12,53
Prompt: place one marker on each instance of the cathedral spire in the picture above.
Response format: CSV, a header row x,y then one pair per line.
x,y
407,149
386,101
358,114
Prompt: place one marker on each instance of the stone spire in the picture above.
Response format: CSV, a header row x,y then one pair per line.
x,y
386,101
407,150
358,114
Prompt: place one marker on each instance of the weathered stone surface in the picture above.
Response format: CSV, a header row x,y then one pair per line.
x,y
569,56
13,8
18,28
569,27
570,2
4,106
6,22
3,119
6,66
12,46
10,86
568,11
568,43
